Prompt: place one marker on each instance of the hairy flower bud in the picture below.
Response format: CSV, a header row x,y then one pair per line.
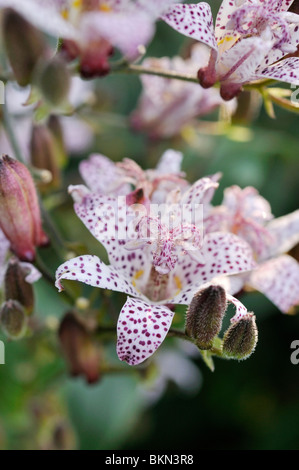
x,y
20,218
16,287
205,315
54,81
13,320
44,151
240,339
24,45
79,348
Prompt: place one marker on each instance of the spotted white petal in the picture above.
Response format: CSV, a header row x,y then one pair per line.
x,y
286,70
92,271
141,328
277,279
285,231
194,21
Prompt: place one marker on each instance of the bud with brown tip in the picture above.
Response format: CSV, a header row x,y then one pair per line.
x,y
43,153
20,218
13,319
16,287
79,348
205,315
24,45
241,337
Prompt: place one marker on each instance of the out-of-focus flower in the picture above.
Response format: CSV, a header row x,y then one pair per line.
x,y
250,42
20,217
146,317
167,105
90,29
246,213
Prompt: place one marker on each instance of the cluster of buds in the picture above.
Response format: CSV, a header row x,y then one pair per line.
x,y
31,59
19,300
204,322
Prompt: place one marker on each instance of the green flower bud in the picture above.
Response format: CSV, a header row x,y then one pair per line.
x,y
241,337
205,315
13,320
54,81
24,45
16,287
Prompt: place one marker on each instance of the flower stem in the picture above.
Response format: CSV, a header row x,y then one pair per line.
x,y
140,70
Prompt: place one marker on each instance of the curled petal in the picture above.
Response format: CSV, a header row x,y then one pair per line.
x,y
33,275
286,70
285,231
194,21
92,271
141,328
278,280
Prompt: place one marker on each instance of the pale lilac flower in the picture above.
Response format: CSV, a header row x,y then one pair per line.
x,y
247,214
248,43
147,315
166,106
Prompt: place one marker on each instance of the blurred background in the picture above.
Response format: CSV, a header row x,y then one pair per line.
x,y
178,403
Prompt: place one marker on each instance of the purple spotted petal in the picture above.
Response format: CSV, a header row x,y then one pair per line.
x,y
286,70
194,21
241,310
285,231
141,328
198,191
224,14
240,62
92,271
278,280
224,254
103,176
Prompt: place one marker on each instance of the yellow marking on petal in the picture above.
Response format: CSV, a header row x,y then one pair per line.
x,y
227,39
65,14
178,284
77,3
104,7
137,276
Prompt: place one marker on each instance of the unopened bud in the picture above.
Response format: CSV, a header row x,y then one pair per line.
x,y
79,348
13,320
24,45
205,315
16,287
20,218
54,81
240,339
43,152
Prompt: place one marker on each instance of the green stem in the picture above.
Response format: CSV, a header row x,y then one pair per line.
x,y
139,70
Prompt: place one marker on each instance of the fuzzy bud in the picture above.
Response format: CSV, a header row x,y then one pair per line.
x,y
16,287
20,218
205,315
241,337
24,45
79,348
13,320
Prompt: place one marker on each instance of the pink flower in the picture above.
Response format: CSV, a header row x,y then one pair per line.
x,y
250,41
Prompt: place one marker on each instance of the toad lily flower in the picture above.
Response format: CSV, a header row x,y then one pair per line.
x,y
247,214
166,106
91,28
103,176
250,42
146,317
